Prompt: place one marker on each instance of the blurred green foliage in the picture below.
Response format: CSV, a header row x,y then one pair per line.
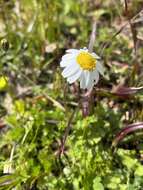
x,y
36,104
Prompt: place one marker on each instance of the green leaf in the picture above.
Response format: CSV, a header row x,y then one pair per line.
x,y
3,82
20,106
129,162
139,170
97,185
8,181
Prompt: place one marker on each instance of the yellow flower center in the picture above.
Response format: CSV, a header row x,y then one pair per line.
x,y
86,61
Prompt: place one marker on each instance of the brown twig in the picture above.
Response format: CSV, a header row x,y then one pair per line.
x,y
67,130
126,7
125,131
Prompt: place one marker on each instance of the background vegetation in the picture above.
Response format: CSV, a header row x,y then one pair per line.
x,y
37,104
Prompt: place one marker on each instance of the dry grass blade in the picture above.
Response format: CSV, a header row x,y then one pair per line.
x,y
55,102
108,43
67,130
124,91
92,37
132,26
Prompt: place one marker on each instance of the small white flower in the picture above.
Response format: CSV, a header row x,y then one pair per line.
x,y
83,66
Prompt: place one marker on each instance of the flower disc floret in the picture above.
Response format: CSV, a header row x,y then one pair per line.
x,y
86,61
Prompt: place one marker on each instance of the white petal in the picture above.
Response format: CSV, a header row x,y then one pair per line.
x,y
87,75
90,85
87,80
74,77
82,81
95,55
91,81
95,76
84,50
72,51
65,63
100,68
70,70
68,56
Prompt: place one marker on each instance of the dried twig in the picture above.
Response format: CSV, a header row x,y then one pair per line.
x,y
125,131
126,7
67,130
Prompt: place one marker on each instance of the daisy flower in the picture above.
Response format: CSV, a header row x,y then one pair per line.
x,y
83,66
